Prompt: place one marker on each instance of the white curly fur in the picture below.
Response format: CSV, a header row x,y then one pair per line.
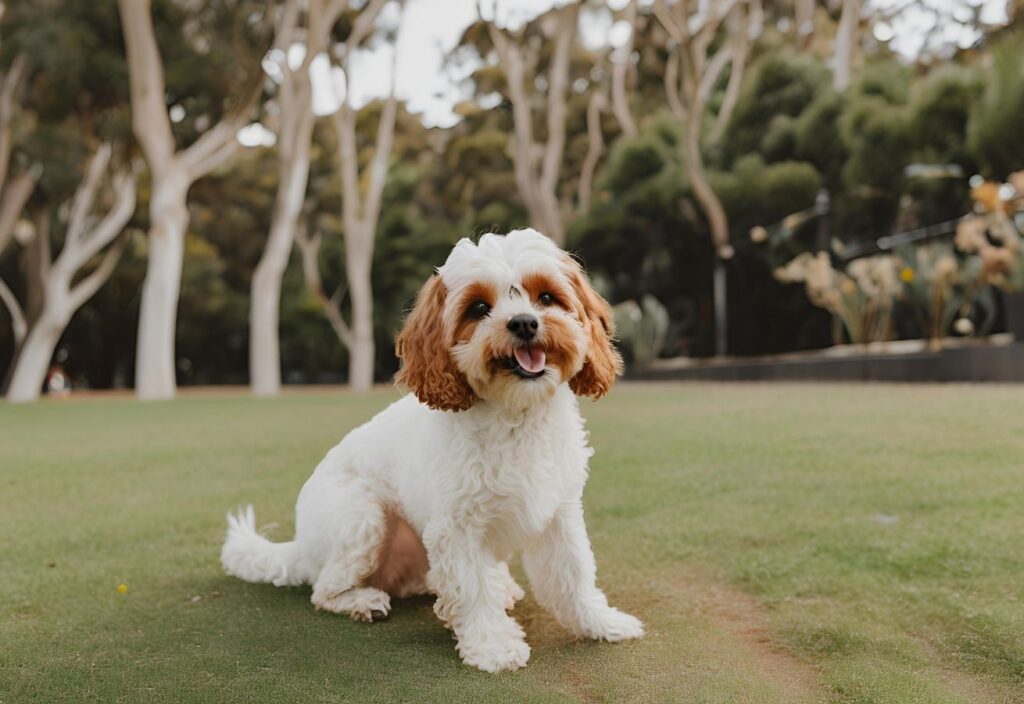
x,y
478,486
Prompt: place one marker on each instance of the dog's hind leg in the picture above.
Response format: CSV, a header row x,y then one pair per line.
x,y
357,531
515,592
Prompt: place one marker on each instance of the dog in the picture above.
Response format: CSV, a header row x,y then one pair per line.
x,y
486,457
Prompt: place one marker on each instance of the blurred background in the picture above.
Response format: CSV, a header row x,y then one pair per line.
x,y
247,192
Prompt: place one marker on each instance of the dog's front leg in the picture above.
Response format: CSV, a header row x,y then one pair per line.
x,y
563,576
472,594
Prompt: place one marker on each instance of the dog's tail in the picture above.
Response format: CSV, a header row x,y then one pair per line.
x,y
251,557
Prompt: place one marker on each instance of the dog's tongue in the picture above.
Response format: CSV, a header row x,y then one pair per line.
x,y
531,361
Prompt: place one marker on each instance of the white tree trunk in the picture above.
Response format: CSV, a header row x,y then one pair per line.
x,y
361,349
172,173
721,308
295,105
804,11
621,59
595,148
34,359
264,352
154,354
846,43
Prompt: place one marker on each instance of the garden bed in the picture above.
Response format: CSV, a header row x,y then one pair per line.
x,y
996,358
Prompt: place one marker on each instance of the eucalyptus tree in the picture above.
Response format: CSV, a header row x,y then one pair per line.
x,y
538,164
68,181
846,42
87,235
300,29
361,195
216,48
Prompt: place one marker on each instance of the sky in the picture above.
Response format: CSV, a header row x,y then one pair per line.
x,y
429,29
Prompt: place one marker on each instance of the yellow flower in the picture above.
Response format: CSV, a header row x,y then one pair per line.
x,y
906,274
122,588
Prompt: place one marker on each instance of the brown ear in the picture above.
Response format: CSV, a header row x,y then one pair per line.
x,y
603,362
427,365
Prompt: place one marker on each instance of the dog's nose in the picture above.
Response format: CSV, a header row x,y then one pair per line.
x,y
524,326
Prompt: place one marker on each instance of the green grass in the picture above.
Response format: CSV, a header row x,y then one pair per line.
x,y
783,544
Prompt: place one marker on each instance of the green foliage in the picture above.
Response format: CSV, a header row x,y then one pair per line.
x,y
884,78
210,304
638,239
875,131
939,107
75,52
878,138
790,135
780,139
779,84
754,193
634,161
818,141
994,132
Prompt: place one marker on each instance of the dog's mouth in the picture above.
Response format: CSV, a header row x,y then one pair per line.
x,y
526,362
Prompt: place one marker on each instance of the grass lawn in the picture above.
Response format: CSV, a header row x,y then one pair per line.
x,y
802,543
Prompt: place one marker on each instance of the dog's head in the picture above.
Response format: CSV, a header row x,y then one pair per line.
x,y
507,320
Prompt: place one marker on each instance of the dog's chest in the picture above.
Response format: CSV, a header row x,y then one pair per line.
x,y
518,478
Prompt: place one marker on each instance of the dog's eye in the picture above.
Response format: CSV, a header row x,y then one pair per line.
x,y
546,299
478,309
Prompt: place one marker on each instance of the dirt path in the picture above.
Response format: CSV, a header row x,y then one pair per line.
x,y
741,619
705,641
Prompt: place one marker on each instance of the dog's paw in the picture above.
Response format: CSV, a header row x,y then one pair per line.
x,y
612,625
495,654
361,604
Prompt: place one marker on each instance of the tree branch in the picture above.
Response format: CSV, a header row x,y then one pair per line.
x,y
595,147
620,104
511,58
363,25
309,248
284,28
672,85
558,85
382,151
845,44
13,201
124,184
18,323
41,239
804,24
676,30
208,155
713,71
739,51
85,197
344,122
11,83
321,20
87,287
150,122
219,143
704,36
